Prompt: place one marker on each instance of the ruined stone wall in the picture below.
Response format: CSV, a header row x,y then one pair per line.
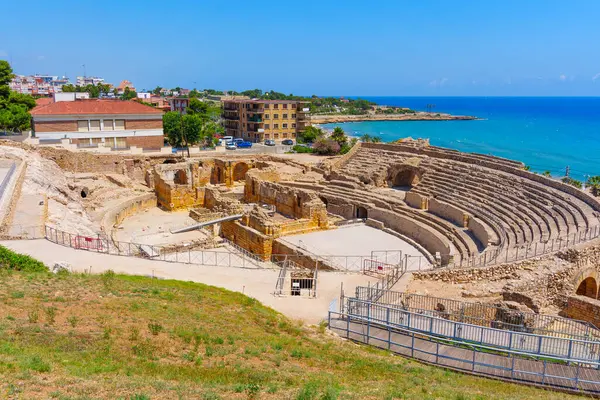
x,y
130,165
282,249
181,185
248,238
413,199
583,308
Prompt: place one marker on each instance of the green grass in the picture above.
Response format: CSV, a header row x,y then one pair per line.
x,y
125,337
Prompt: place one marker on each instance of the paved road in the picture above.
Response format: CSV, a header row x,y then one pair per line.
x,y
257,283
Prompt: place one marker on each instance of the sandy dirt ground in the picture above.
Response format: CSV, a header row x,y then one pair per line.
x,y
154,226
259,284
354,240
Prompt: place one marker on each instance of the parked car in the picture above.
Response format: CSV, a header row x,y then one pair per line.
x,y
238,140
269,142
226,139
230,146
244,145
287,142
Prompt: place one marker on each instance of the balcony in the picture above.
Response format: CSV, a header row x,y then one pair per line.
x,y
255,119
231,117
255,110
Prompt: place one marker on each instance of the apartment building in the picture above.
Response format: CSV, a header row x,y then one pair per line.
x,y
97,122
42,85
258,120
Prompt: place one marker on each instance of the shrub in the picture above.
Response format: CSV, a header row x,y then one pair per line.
x,y
35,363
326,147
33,316
73,320
155,328
19,262
302,149
50,314
572,182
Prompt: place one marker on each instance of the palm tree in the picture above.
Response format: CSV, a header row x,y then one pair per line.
x,y
366,138
594,183
376,139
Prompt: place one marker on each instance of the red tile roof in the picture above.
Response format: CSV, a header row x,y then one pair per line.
x,y
42,101
94,106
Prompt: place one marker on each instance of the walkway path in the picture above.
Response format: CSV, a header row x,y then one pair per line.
x,y
468,360
256,283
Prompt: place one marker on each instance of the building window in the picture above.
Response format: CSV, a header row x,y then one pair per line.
x,y
293,116
266,126
284,135
267,136
293,105
119,124
95,125
284,126
266,106
275,116
275,106
277,136
293,125
285,106
275,126
293,135
82,126
285,116
108,125
267,116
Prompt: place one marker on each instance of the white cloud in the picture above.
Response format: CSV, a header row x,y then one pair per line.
x,y
596,77
563,77
440,83
41,58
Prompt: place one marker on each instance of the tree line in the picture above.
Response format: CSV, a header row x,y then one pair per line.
x,y
14,107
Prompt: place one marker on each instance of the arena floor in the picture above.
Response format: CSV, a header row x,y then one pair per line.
x,y
354,240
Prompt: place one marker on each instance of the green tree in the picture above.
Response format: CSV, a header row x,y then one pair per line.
x,y
310,134
339,136
198,107
68,88
128,94
191,130
366,138
194,93
157,90
14,107
172,128
376,139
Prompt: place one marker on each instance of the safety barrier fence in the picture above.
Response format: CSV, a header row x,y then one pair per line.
x,y
481,314
567,349
530,250
511,365
186,255
295,280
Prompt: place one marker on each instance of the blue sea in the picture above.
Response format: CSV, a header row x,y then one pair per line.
x,y
546,133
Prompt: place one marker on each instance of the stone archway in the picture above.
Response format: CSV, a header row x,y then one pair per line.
x,y
239,171
404,176
588,288
361,212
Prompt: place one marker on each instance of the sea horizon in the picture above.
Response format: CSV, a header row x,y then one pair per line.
x,y
547,133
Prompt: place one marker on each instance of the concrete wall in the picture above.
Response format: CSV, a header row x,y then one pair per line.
x,y
480,231
430,240
447,212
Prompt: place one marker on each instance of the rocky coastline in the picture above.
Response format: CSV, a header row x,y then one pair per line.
x,y
420,116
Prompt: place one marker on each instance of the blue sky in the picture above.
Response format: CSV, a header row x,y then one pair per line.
x,y
399,47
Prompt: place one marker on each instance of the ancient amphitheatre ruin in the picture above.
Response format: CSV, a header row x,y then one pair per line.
x,y
397,223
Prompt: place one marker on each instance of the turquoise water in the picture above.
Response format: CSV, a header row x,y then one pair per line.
x,y
546,133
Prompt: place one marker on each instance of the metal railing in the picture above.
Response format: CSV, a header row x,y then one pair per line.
x,y
511,365
567,349
527,250
481,314
186,254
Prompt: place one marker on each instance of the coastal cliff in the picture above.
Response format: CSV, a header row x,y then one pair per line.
x,y
421,116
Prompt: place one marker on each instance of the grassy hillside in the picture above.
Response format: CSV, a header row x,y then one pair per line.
x,y
109,336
